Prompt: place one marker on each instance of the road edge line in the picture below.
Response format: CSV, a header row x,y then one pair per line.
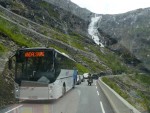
x,y
14,108
102,107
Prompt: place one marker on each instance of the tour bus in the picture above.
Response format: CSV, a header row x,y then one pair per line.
x,y
43,73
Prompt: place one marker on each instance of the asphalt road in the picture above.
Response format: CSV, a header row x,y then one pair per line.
x,y
82,99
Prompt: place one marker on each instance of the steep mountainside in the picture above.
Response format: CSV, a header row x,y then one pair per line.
x,y
73,8
131,30
48,15
36,23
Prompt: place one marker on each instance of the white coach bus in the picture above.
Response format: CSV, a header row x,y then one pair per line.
x,y
43,73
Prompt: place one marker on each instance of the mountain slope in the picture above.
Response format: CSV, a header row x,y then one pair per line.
x,y
41,24
73,8
48,15
130,30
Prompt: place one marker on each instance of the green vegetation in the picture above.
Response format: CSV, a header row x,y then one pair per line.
x,y
6,89
77,44
111,60
144,81
13,32
143,78
18,5
81,69
59,48
76,36
93,66
145,101
73,40
137,89
50,9
115,87
60,37
3,48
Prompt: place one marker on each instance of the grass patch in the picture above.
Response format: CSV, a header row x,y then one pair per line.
x,y
74,41
13,32
81,69
3,48
50,9
145,101
77,45
137,86
93,66
144,81
59,48
111,60
115,87
144,78
6,88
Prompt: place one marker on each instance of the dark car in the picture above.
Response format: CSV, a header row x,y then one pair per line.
x,y
95,76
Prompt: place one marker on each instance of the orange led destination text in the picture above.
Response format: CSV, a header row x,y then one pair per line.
x,y
34,54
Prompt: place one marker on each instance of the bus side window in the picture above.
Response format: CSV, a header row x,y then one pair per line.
x,y
57,64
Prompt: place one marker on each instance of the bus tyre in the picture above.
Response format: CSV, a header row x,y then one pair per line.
x,y
64,88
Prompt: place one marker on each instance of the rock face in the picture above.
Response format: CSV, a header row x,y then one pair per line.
x,y
73,8
130,30
51,14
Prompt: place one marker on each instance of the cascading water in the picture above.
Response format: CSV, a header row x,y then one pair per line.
x,y
92,30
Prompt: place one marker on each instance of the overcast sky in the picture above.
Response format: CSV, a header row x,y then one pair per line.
x,y
112,6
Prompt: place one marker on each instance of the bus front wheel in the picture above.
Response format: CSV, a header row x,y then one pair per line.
x,y
64,88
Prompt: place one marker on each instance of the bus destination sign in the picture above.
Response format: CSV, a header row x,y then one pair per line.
x,y
34,54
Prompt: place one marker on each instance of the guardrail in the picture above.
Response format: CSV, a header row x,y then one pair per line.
x,y
119,104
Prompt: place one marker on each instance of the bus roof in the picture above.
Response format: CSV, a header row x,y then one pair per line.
x,y
36,48
64,54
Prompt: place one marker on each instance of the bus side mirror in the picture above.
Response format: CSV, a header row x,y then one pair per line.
x,y
10,64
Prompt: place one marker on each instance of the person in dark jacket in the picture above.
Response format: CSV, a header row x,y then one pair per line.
x,y
90,79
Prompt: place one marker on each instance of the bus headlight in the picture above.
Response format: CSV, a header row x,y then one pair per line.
x,y
16,87
17,90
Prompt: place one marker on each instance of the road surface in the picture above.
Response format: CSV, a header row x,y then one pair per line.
x,y
82,99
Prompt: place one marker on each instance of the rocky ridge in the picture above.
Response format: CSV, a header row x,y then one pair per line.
x,y
48,15
73,8
130,30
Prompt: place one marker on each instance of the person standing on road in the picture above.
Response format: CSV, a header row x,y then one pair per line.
x,y
90,78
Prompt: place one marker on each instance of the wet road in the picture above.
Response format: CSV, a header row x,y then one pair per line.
x,y
82,99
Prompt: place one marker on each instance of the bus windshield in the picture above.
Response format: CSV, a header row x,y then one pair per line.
x,y
35,66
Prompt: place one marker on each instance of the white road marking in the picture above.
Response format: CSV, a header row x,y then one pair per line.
x,y
14,108
97,93
96,87
102,107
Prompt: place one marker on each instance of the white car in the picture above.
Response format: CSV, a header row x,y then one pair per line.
x,y
86,75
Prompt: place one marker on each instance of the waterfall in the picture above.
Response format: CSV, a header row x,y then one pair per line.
x,y
92,30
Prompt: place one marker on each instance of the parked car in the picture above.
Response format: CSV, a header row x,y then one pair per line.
x,y
86,75
95,76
